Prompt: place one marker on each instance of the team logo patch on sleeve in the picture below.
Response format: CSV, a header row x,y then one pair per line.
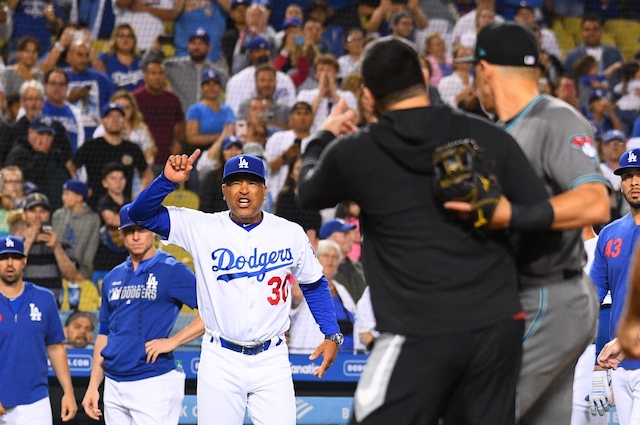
x,y
585,144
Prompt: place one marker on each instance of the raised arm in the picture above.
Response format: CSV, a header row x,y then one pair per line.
x,y
147,209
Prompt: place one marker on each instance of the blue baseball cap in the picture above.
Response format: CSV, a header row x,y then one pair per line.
x,y
210,74
264,3
42,124
235,3
113,106
257,43
629,159
76,186
613,135
201,34
125,220
335,225
11,245
229,141
292,22
245,164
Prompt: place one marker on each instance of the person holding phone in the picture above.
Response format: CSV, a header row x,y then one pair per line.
x,y
48,259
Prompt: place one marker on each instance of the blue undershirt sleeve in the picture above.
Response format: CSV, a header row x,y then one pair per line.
x,y
147,209
321,305
103,329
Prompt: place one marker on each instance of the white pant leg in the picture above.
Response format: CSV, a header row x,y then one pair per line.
x,y
150,401
114,412
626,392
222,385
38,412
271,398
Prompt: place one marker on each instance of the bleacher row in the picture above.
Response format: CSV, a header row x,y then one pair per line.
x,y
623,33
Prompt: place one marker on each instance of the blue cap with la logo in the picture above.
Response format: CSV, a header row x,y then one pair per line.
x,y
245,164
629,159
11,245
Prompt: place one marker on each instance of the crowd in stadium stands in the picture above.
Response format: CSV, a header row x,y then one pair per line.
x,y
95,95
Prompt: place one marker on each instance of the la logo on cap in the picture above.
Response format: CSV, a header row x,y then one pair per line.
x,y
243,163
529,60
632,157
9,243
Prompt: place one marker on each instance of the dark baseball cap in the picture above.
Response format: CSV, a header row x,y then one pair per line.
x,y
505,43
11,245
229,141
335,225
525,5
201,34
113,106
76,186
257,43
35,199
236,3
42,124
125,220
246,164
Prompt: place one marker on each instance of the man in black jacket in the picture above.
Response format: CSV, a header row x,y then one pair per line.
x,y
41,160
445,296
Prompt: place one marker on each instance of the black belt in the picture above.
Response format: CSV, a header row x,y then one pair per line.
x,y
248,350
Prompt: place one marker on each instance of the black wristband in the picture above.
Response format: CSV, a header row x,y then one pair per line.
x,y
532,217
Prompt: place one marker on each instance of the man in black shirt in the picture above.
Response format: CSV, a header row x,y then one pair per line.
x,y
445,296
95,153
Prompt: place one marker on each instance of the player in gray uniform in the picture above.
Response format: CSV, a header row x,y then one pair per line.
x,y
558,299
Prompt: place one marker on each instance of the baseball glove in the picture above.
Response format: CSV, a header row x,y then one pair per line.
x,y
461,175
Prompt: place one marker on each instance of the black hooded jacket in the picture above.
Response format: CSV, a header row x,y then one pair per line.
x,y
428,273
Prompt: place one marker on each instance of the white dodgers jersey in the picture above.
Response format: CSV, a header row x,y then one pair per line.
x,y
244,277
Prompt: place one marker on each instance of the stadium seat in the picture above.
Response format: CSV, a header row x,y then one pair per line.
x,y
626,34
99,46
89,296
565,38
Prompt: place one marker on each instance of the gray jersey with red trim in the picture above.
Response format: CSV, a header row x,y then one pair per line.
x,y
559,143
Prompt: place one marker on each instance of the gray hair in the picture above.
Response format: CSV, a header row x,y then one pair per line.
x,y
32,84
325,245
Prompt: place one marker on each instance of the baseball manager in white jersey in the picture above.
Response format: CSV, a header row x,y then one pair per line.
x,y
245,261
558,299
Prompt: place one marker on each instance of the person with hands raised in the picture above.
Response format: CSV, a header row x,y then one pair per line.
x,y
244,271
325,97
